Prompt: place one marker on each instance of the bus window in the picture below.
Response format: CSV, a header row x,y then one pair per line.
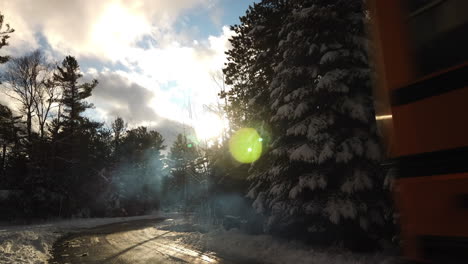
x,y
414,5
438,34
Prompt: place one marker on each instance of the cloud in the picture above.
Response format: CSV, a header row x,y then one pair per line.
x,y
149,72
89,27
188,67
116,96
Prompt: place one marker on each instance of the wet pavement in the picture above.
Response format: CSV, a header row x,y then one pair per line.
x,y
139,241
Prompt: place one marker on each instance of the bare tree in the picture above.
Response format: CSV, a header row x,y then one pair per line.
x,y
47,96
218,109
220,80
27,81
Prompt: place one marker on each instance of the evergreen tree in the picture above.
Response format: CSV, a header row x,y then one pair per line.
x,y
249,72
74,133
4,36
74,93
324,177
96,159
138,178
10,135
251,60
118,127
182,151
182,157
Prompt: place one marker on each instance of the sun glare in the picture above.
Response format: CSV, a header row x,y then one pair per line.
x,y
208,127
116,28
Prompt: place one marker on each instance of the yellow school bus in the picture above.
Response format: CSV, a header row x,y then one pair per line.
x,y
421,56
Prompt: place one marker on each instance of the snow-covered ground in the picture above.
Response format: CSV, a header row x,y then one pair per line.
x,y
234,244
266,249
31,244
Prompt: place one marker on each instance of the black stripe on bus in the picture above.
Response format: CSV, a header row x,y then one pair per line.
x,y
445,249
431,163
437,85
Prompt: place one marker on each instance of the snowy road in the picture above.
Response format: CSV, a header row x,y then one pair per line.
x,y
153,239
140,241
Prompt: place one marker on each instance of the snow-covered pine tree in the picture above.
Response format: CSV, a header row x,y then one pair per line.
x,y
251,59
324,180
249,72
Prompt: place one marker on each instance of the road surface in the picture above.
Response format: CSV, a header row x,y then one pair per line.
x,y
139,241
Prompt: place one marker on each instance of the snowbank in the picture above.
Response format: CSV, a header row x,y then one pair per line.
x,y
266,249
26,246
31,244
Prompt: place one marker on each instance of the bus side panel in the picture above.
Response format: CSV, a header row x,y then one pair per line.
x,y
432,124
432,206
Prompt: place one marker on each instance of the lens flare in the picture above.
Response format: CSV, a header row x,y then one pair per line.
x,y
246,145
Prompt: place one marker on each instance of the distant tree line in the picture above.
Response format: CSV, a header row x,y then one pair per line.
x,y
59,163
56,162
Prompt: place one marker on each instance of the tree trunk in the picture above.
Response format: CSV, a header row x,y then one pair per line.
x,y
2,168
41,128
29,124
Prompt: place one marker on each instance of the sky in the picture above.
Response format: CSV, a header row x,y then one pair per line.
x,y
154,59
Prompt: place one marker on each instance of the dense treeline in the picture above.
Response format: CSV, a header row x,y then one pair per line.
x,y
55,161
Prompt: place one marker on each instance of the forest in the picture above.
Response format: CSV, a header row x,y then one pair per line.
x,y
301,156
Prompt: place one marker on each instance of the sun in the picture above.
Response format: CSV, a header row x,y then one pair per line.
x,y
117,28
208,127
